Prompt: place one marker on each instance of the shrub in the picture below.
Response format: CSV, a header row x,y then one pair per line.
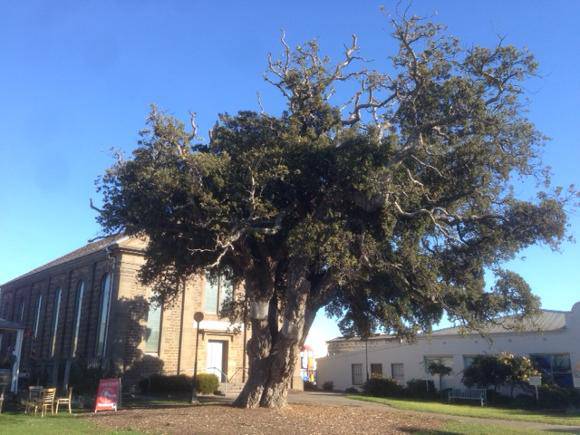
x,y
351,390
310,386
85,378
206,383
495,370
421,388
328,386
382,387
555,397
524,401
160,384
496,398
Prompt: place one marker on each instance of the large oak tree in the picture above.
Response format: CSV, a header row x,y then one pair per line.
x,y
387,210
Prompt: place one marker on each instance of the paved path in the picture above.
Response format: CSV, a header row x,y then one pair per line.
x,y
338,399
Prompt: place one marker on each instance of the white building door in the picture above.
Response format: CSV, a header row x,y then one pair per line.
x,y
215,358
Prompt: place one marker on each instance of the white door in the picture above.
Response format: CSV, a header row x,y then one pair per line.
x,y
215,354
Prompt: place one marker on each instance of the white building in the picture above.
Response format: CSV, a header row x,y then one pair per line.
x,y
551,339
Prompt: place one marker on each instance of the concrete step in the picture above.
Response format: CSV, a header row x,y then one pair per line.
x,y
233,388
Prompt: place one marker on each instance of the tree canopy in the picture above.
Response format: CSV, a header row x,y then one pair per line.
x,y
387,210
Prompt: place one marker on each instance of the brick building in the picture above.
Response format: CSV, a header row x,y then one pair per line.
x,y
89,307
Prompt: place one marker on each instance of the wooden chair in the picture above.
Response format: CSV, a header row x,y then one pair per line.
x,y
67,400
33,401
47,400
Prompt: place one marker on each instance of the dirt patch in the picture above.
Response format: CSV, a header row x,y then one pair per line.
x,y
294,419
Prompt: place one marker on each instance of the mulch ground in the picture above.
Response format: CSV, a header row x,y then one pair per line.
x,y
294,419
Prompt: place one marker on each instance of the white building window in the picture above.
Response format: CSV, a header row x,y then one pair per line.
x,y
398,373
555,367
153,331
106,290
216,290
376,370
55,317
447,361
357,374
80,294
37,316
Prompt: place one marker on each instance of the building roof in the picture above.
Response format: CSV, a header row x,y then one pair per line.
x,y
544,321
88,249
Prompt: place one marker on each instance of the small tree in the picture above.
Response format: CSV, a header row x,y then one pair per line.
x,y
518,370
485,371
497,370
440,369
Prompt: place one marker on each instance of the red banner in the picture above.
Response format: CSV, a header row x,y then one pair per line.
x,y
108,394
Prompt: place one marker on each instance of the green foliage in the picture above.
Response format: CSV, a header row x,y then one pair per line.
x,y
497,370
206,383
310,386
84,377
383,387
421,389
437,368
555,397
161,384
328,386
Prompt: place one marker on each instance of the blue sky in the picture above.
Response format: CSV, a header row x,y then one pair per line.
x,y
77,78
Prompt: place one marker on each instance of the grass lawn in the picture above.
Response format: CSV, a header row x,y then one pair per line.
x,y
458,427
20,423
476,411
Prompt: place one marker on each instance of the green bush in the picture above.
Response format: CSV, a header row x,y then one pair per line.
x,y
496,398
525,401
383,388
555,397
328,386
421,389
351,390
160,384
310,386
206,383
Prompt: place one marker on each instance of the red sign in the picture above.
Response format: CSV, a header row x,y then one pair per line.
x,y
108,394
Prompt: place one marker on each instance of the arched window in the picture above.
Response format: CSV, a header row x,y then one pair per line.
x,y
37,316
106,290
77,319
55,316
153,332
216,291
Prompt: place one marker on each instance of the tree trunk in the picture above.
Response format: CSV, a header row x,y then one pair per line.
x,y
258,349
271,369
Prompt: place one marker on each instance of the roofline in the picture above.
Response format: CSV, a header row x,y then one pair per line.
x,y
440,333
114,245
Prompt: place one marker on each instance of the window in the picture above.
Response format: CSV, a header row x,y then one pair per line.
x,y
55,314
468,360
357,374
376,370
106,289
447,361
37,317
555,367
153,328
215,292
398,372
21,309
77,319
